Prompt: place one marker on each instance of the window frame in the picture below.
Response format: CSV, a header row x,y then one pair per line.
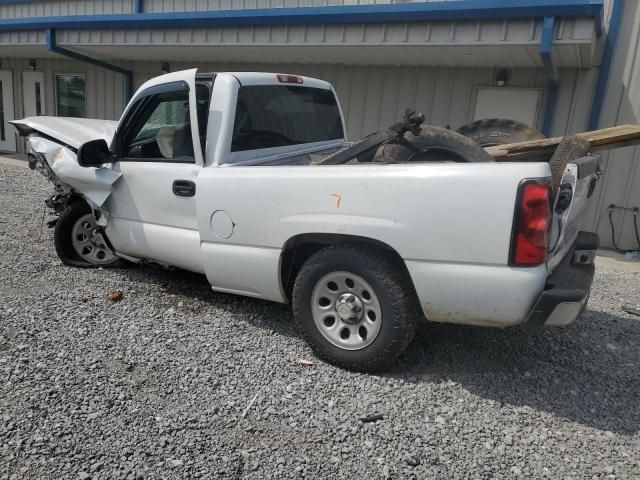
x,y
133,113
239,154
55,89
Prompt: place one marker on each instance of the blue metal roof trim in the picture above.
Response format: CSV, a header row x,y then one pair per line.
x,y
546,41
405,12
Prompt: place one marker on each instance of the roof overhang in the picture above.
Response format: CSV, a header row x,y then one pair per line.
x,y
511,56
462,33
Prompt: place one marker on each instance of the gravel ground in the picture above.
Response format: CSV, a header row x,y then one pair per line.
x,y
176,381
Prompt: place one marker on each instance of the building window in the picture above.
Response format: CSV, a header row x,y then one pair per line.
x,y
38,97
70,96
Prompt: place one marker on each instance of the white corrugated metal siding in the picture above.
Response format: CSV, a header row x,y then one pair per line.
x,y
104,88
375,97
52,8
43,8
572,30
371,96
621,182
22,38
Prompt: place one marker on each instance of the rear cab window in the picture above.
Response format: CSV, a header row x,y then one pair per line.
x,y
272,116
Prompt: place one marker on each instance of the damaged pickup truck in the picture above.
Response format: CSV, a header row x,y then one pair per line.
x,y
248,179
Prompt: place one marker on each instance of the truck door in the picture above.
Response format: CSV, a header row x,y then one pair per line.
x,y
153,205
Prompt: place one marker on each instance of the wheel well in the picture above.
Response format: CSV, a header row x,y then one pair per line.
x,y
74,197
299,248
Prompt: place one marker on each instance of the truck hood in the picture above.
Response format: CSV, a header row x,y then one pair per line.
x,y
68,131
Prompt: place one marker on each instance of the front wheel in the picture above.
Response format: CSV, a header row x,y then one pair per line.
x,y
356,306
78,240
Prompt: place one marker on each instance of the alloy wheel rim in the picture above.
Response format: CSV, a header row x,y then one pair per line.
x,y
346,310
88,243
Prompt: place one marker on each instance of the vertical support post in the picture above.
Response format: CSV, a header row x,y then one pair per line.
x,y
551,74
551,92
605,65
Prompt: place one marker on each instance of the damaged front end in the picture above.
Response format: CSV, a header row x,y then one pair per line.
x,y
57,162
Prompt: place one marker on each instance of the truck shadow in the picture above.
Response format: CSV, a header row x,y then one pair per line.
x,y
587,373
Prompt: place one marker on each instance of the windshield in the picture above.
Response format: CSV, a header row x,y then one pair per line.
x,y
280,115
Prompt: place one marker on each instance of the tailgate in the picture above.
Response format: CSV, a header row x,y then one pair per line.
x,y
576,189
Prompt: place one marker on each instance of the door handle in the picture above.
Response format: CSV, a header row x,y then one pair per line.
x,y
184,188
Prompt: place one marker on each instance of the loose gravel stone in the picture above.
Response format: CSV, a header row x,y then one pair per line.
x,y
155,385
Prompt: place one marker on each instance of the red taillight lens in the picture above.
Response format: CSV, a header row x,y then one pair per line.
x,y
289,79
531,226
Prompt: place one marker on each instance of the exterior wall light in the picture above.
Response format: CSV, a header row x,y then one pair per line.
x,y
502,76
165,67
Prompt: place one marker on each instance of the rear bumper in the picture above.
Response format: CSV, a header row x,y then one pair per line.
x,y
567,288
481,295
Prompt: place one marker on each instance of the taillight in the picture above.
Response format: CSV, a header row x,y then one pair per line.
x,y
531,224
289,79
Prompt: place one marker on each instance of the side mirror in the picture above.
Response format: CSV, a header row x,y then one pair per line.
x,y
94,153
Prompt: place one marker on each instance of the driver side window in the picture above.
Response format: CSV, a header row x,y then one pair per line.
x,y
162,131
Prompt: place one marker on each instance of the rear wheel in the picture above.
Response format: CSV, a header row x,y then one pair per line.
x,y
77,238
356,306
498,131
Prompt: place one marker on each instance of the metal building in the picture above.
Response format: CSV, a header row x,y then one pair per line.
x,y
560,65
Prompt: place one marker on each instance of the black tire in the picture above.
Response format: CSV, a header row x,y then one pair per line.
x,y
433,144
570,148
62,236
498,131
392,287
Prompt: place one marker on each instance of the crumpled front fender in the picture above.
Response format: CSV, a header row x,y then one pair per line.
x,y
93,184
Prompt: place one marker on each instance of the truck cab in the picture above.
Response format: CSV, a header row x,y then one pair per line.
x,y
179,125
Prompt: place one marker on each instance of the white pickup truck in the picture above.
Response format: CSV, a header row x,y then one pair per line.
x,y
248,179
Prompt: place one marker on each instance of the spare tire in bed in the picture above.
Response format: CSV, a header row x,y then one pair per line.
x,y
434,144
499,131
